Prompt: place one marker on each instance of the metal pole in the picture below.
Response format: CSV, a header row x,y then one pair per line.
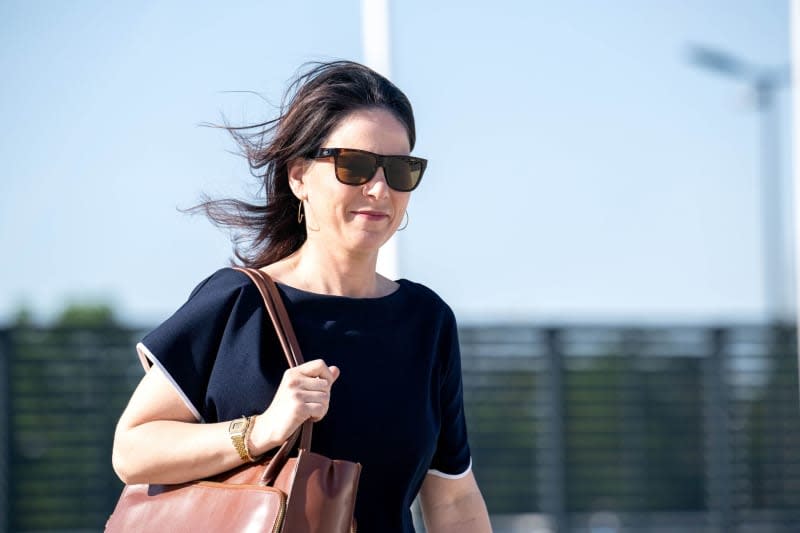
x,y
777,298
719,476
552,436
376,40
375,37
633,421
794,32
765,83
5,432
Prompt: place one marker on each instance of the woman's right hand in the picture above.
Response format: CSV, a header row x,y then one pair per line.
x,y
304,392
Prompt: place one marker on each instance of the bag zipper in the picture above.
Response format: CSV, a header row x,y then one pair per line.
x,y
281,513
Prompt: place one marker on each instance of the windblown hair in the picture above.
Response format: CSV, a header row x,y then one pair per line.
x,y
315,102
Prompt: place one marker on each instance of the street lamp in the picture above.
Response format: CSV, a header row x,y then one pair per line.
x,y
376,42
764,82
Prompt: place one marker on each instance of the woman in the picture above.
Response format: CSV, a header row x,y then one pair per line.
x,y
383,377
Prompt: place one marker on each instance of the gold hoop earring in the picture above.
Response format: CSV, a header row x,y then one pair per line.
x,y
406,224
301,212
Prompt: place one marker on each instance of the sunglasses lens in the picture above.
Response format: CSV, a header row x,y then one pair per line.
x,y
402,174
355,168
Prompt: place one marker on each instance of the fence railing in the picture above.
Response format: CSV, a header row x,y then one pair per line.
x,y
571,428
636,429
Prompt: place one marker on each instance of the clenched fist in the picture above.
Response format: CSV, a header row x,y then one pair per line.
x,y
304,393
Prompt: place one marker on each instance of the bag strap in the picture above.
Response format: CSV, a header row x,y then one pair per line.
x,y
291,349
288,339
280,317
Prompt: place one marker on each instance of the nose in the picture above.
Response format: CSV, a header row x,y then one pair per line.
x,y
377,186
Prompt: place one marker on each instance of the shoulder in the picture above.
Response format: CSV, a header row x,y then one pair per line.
x,y
219,293
221,299
225,279
226,284
425,297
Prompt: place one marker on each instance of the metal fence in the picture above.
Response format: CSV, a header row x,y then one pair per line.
x,y
625,429
572,428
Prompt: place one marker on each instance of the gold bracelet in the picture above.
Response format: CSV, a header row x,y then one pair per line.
x,y
251,421
238,431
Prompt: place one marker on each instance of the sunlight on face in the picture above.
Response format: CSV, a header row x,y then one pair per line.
x,y
356,218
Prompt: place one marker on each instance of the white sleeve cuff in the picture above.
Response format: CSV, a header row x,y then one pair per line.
x,y
145,355
452,476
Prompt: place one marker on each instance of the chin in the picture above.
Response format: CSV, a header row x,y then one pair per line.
x,y
369,243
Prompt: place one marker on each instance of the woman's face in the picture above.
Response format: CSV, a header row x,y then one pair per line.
x,y
352,218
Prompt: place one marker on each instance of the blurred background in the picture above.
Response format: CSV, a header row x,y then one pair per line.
x,y
608,209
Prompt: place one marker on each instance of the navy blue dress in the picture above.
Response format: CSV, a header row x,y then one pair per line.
x,y
397,407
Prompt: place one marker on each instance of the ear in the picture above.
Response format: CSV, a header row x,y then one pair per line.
x,y
297,169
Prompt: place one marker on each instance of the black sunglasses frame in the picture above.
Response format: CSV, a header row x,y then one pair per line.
x,y
380,162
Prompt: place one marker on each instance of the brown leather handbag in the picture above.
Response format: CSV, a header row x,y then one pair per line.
x,y
309,493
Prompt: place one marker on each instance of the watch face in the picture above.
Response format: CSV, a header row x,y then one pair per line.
x,y
237,426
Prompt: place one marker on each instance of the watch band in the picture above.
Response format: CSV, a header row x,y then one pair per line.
x,y
239,430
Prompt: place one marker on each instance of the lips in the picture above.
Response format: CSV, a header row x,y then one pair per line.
x,y
371,215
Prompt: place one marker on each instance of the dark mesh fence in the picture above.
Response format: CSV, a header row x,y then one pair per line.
x,y
572,428
622,429
66,388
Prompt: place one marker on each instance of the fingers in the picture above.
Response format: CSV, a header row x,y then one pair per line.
x,y
309,398
304,393
312,404
320,397
296,380
312,384
309,387
318,369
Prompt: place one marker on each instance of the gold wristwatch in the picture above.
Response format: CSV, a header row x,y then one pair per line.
x,y
239,430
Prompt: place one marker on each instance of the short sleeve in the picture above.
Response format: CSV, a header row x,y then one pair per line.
x,y
186,345
452,456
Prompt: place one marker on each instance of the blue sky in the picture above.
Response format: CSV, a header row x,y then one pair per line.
x,y
581,168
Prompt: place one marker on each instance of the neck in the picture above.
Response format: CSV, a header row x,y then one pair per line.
x,y
336,272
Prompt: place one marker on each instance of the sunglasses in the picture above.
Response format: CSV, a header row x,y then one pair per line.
x,y
357,167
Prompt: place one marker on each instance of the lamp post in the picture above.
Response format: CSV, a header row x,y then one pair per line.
x,y
376,39
764,82
794,30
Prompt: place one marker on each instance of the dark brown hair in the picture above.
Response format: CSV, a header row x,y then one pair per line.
x,y
314,104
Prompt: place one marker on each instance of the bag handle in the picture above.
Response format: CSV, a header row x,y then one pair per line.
x,y
291,349
288,339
